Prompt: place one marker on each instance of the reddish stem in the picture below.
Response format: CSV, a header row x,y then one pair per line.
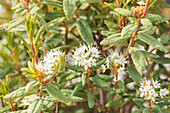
x,y
2,102
33,51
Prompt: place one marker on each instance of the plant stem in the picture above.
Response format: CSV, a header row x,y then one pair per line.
x,y
57,107
88,80
33,51
77,15
116,81
146,8
66,35
12,107
131,43
2,102
150,106
41,88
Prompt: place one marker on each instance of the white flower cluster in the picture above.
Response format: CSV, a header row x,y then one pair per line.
x,y
117,61
148,90
85,56
49,62
141,2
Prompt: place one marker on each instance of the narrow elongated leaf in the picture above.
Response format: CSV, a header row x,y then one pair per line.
x,y
121,85
84,31
138,58
118,103
164,60
110,24
146,23
36,106
153,17
138,111
20,111
3,110
17,93
148,54
69,8
139,102
5,72
151,41
90,97
124,12
55,22
84,78
56,93
87,1
32,86
134,74
15,23
116,40
148,31
99,81
129,29
110,5
165,38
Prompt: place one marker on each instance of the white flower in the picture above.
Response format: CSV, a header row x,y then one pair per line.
x,y
49,62
25,101
103,68
156,84
85,56
151,95
141,2
162,92
121,71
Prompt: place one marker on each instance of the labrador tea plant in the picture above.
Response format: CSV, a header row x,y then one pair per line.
x,y
84,56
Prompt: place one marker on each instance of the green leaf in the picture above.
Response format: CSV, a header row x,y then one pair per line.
x,y
69,8
15,23
32,87
146,23
87,1
20,111
134,74
74,68
113,40
110,24
108,33
23,40
129,29
146,110
165,38
70,77
90,97
118,103
5,109
121,85
55,22
149,31
138,111
99,81
36,106
139,102
153,17
110,5
17,94
56,93
148,54
151,41
138,58
38,35
76,89
84,78
5,72
106,78
124,12
85,31
161,104
157,108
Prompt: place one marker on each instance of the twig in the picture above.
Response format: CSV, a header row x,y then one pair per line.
x,y
77,15
57,107
2,102
131,43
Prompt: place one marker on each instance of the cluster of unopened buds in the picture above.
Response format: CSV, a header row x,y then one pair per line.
x,y
117,61
49,62
150,90
85,56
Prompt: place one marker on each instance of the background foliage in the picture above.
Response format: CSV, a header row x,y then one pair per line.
x,y
30,28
